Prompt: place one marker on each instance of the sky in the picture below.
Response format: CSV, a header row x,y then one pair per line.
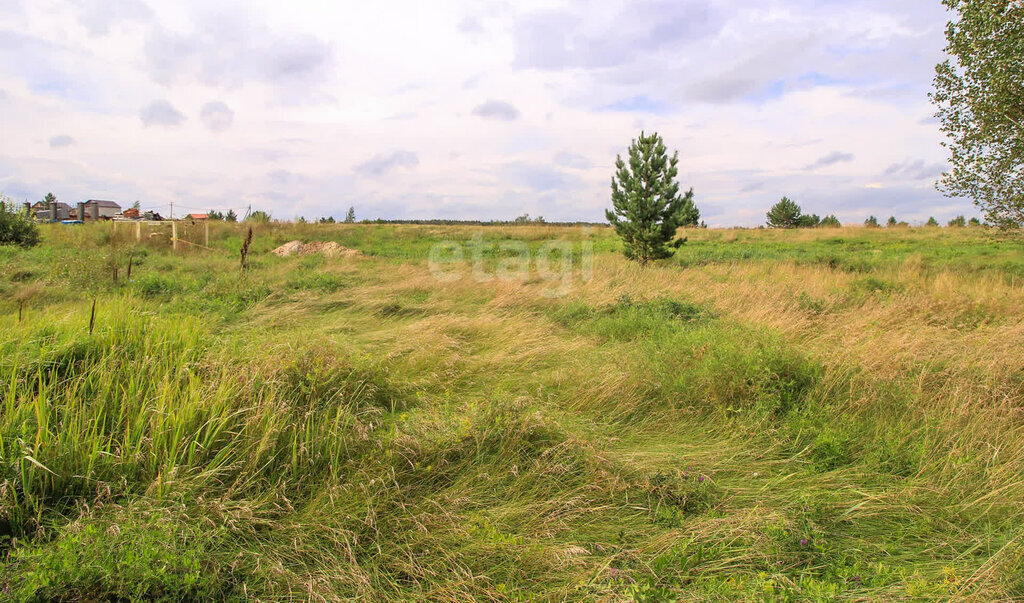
x,y
472,109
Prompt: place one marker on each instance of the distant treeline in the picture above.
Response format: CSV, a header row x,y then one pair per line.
x,y
525,219
787,214
484,223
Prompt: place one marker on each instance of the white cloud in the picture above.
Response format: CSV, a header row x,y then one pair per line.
x,y
472,109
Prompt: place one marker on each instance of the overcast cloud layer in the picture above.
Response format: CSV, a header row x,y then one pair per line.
x,y
471,109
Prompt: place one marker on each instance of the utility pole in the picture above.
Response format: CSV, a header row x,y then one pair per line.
x,y
172,210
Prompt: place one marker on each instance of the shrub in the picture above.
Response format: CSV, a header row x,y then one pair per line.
x,y
809,221
258,216
16,226
830,221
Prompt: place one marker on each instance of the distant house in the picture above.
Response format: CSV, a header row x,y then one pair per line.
x,y
131,214
42,211
199,216
108,209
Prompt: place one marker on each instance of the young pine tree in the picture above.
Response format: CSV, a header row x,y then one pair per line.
x,y
784,214
647,208
871,222
350,217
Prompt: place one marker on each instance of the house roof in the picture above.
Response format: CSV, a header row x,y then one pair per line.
x,y
199,216
102,203
40,205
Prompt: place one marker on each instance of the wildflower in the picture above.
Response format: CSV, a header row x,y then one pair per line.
x,y
803,542
700,479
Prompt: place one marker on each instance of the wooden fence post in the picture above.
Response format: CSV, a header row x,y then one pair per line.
x,y
138,232
206,235
174,236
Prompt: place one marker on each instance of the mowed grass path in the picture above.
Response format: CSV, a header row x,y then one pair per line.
x,y
770,415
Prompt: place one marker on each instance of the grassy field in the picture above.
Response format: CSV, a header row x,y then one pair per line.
x,y
799,415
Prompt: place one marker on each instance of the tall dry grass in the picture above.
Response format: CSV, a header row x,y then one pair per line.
x,y
770,415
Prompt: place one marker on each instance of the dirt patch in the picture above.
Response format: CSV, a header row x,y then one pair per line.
x,y
328,249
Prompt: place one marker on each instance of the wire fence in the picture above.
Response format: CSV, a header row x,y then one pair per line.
x,y
179,235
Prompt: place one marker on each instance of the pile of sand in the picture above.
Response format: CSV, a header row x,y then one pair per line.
x,y
289,248
328,249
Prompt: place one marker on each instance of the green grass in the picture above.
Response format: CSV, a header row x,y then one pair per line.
x,y
866,251
767,416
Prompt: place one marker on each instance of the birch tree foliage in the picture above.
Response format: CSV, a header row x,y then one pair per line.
x,y
979,92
